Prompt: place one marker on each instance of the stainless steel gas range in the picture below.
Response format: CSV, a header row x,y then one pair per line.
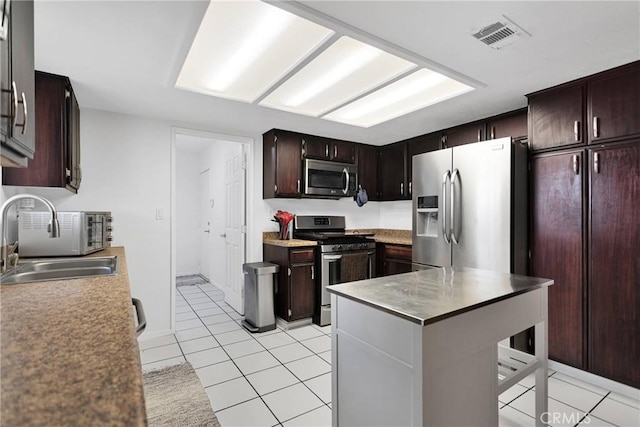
x,y
342,257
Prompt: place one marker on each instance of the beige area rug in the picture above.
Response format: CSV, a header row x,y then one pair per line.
x,y
175,398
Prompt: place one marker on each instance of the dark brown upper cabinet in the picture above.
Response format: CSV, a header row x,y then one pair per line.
x,y
512,124
392,165
318,147
614,105
464,134
17,81
282,162
368,170
57,159
556,117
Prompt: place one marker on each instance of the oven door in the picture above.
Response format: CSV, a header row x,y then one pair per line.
x,y
341,267
323,178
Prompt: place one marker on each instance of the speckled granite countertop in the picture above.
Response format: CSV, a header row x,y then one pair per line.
x,y
382,235
271,238
69,354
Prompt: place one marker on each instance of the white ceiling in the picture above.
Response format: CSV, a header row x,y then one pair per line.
x,y
125,56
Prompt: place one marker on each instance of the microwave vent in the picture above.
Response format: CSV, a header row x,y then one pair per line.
x,y
40,221
500,34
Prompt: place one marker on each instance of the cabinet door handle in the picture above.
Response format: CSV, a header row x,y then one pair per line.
x,y
335,151
402,188
142,319
576,164
576,130
298,186
326,150
13,114
409,187
493,132
313,273
596,162
596,127
23,125
479,135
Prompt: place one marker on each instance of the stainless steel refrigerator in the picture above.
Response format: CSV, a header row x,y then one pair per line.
x,y
470,207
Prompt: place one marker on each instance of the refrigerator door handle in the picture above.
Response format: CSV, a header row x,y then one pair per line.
x,y
455,174
445,178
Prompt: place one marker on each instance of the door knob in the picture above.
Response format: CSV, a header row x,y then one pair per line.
x,y
223,235
207,231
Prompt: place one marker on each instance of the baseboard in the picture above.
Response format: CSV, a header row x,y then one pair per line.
x,y
597,380
182,273
147,335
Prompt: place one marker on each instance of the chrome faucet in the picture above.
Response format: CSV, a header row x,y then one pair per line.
x,y
54,227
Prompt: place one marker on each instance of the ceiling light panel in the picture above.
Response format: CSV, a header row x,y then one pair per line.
x,y
345,70
244,47
416,91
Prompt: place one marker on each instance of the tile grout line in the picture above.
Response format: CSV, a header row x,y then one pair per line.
x,y
594,407
243,376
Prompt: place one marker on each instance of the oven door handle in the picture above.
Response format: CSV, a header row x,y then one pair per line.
x,y
332,257
346,186
370,256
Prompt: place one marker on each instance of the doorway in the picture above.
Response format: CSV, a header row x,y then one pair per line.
x,y
209,212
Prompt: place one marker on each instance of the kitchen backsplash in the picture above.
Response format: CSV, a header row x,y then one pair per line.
x,y
393,215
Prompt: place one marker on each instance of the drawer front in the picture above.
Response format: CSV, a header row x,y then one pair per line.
x,y
398,251
301,255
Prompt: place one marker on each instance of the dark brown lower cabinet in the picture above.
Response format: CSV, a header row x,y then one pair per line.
x,y
393,259
557,244
614,262
295,288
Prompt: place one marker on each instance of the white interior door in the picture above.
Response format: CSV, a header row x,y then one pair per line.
x,y
235,228
205,225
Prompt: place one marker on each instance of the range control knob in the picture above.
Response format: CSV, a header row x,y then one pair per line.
x,y
337,247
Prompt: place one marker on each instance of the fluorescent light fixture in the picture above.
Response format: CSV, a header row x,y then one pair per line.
x,y
244,47
345,70
418,90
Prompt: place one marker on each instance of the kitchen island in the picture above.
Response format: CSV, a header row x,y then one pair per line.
x,y
69,353
421,348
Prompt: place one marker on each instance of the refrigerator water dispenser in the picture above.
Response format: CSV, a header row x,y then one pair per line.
x,y
427,216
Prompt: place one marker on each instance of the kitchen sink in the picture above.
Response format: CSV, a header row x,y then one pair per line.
x,y
60,269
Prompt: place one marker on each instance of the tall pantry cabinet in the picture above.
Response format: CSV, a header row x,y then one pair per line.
x,y
585,229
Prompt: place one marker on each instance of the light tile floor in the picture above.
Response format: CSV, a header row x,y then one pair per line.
x,y
283,378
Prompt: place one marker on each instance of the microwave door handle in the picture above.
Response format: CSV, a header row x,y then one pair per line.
x,y
346,186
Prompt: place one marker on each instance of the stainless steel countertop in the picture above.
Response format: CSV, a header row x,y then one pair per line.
x,y
427,296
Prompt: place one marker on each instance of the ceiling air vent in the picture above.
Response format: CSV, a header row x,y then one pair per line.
x,y
500,34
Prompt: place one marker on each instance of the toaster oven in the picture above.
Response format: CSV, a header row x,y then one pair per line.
x,y
81,233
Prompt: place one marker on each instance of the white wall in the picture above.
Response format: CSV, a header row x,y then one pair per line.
x,y
126,162
187,212
126,169
395,215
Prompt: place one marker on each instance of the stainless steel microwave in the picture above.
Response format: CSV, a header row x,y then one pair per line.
x,y
330,179
81,233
